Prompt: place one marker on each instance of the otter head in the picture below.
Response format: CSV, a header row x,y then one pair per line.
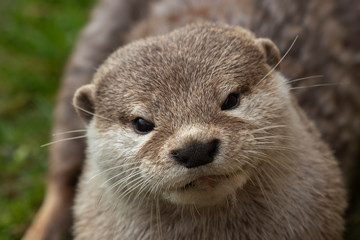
x,y
187,117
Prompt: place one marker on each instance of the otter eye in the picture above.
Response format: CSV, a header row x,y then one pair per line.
x,y
231,102
141,126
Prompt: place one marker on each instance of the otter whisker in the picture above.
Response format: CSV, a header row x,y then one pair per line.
x,y
124,182
197,210
137,181
277,148
63,140
276,165
305,78
130,191
121,187
248,162
96,115
268,127
128,158
243,171
281,59
275,145
263,157
262,143
319,85
281,185
259,137
126,161
146,188
273,137
106,170
149,189
265,195
154,188
67,132
124,190
143,187
120,173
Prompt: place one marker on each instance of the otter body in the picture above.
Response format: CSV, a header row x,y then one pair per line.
x,y
196,135
328,45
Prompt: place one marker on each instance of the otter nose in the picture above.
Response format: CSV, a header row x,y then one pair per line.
x,y
196,154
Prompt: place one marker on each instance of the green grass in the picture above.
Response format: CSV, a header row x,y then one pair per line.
x,y
36,38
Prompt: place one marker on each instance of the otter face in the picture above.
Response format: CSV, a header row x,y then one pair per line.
x,y
188,117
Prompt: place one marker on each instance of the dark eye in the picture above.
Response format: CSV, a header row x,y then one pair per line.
x,y
141,126
231,102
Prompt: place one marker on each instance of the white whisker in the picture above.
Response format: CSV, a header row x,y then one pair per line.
x,y
267,128
96,115
319,85
281,59
109,169
67,132
63,140
305,78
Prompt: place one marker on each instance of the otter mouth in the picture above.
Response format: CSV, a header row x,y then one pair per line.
x,y
206,190
205,182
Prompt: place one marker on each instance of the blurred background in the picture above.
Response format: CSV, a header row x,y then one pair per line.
x,y
36,38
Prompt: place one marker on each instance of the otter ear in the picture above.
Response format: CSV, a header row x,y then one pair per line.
x,y
271,51
83,102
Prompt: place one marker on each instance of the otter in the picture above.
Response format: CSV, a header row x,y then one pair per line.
x,y
196,135
328,45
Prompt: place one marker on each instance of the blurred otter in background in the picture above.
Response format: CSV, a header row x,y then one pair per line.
x,y
328,45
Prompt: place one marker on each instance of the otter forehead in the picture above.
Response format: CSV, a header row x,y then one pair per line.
x,y
192,68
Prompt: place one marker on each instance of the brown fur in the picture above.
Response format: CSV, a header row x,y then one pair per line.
x,y
280,181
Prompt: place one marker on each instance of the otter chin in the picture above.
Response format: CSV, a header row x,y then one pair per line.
x,y
196,135
207,190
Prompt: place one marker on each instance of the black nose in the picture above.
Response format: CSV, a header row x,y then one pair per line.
x,y
196,154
